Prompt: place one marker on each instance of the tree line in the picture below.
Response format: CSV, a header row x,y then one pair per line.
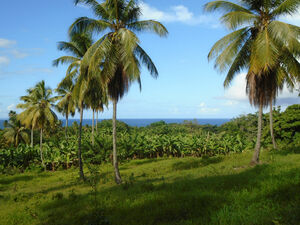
x,y
153,141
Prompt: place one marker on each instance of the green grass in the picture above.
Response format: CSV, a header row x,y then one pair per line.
x,y
218,190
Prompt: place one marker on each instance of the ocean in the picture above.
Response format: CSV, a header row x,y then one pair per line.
x,y
146,122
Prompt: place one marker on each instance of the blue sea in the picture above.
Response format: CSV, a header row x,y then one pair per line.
x,y
145,122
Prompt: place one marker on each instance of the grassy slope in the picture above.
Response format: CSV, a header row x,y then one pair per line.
x,y
219,190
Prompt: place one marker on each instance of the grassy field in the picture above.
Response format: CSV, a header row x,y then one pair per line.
x,y
218,190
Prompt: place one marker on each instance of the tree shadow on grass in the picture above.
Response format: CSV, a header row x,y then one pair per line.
x,y
13,179
193,163
183,201
139,162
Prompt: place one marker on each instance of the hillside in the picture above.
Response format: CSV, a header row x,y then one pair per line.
x,y
217,190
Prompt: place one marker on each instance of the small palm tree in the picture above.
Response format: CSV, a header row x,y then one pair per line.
x,y
14,132
39,113
117,53
66,104
262,45
28,100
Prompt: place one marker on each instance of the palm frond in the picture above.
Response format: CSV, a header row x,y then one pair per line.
x,y
224,6
286,7
149,25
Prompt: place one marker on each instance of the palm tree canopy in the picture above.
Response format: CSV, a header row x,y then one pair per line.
x,y
117,55
75,81
38,112
14,132
259,43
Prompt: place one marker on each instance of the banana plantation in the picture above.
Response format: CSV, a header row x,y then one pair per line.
x,y
158,140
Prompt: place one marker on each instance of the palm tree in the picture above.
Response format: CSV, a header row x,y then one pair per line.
x,y
77,47
66,104
39,113
117,53
96,98
28,100
14,132
262,45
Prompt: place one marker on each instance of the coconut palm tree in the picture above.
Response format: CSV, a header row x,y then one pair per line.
x,y
66,104
96,98
14,132
39,113
28,101
77,47
117,53
261,44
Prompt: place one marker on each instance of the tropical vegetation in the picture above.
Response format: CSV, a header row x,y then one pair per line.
x,y
262,45
171,173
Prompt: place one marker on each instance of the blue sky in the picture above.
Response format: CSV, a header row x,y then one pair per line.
x,y
187,86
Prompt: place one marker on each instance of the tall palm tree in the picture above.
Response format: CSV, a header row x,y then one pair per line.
x,y
39,113
117,53
262,45
66,104
14,132
77,47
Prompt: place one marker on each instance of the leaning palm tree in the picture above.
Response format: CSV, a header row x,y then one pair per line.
x,y
117,53
39,114
262,45
14,132
66,104
77,47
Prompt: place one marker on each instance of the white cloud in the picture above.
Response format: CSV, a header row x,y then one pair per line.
x,y
179,13
11,107
294,19
18,54
5,43
203,109
4,60
174,110
230,103
236,93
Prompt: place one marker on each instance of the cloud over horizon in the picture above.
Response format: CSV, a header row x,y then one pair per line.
x,y
236,93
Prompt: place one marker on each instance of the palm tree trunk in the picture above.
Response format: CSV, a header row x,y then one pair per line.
x,y
67,123
41,148
31,138
115,157
97,121
79,144
93,127
255,158
271,125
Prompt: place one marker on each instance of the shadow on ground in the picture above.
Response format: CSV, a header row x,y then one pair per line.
x,y
240,198
193,163
14,179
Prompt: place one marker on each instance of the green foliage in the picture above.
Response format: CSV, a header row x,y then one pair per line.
x,y
155,141
287,126
14,132
185,191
